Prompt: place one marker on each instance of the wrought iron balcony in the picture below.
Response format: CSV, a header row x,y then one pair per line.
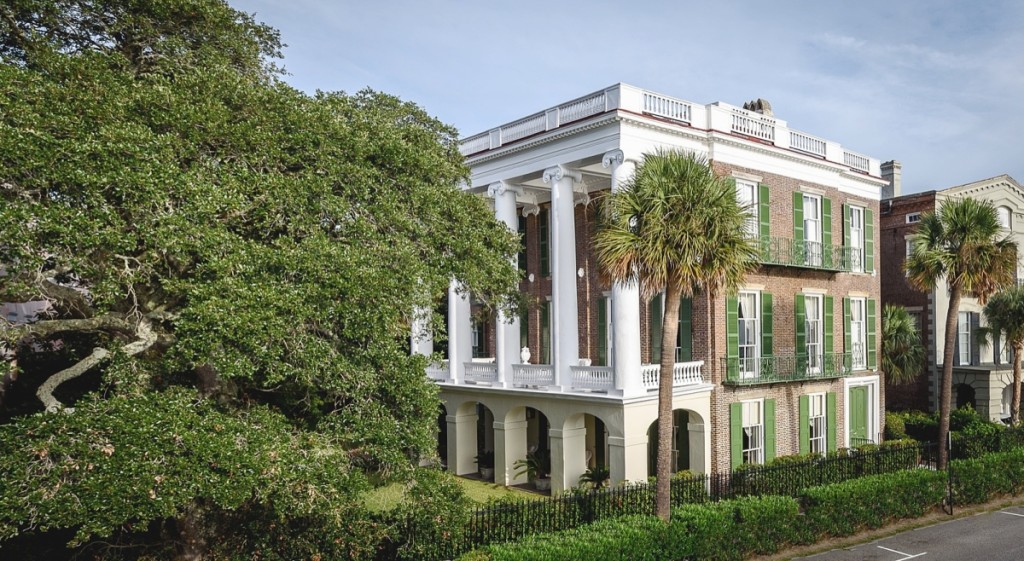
x,y
808,255
787,368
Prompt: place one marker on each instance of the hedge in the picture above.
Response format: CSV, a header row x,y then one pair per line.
x,y
981,479
871,502
643,538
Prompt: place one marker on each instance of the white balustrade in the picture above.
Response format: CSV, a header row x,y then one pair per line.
x,y
523,128
593,377
856,161
806,143
438,372
481,372
753,124
683,373
581,108
664,106
474,144
533,375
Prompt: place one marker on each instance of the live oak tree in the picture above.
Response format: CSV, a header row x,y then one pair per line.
x,y
231,266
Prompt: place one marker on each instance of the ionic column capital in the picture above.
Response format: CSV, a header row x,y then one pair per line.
x,y
499,188
555,174
612,158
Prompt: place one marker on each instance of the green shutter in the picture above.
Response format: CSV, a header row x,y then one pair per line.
x,y
545,333
602,331
798,218
522,243
543,226
763,212
847,334
685,337
769,430
766,324
800,311
805,424
827,255
654,322
869,241
830,420
829,318
736,434
847,221
872,355
524,328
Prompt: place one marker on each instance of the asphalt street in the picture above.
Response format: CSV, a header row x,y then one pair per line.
x,y
991,536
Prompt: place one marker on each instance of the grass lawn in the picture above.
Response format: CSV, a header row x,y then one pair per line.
x,y
386,498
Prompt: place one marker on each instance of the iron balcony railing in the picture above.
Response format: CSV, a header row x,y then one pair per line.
x,y
786,368
804,254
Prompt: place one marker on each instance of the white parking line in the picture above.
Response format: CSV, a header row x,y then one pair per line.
x,y
905,555
1011,513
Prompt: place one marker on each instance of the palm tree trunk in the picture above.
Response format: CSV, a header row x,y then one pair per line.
x,y
946,390
1018,348
669,331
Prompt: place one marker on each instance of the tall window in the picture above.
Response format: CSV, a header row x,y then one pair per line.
x,y
545,332
815,337
746,196
963,328
858,334
816,418
812,230
1003,214
479,339
857,238
753,432
749,334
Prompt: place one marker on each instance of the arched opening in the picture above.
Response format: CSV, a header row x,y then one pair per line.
x,y
687,443
596,441
442,435
485,442
537,431
965,396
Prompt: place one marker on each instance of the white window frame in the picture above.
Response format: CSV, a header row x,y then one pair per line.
x,y
749,362
818,420
753,431
913,218
963,327
1005,216
857,238
858,333
751,224
814,332
812,230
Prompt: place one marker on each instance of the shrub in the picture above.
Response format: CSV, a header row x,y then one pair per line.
x,y
980,479
632,537
870,502
895,428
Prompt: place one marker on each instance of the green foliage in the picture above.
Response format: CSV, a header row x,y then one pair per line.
x,y
596,476
903,354
638,538
274,243
1005,315
845,508
984,478
923,427
536,465
433,517
895,427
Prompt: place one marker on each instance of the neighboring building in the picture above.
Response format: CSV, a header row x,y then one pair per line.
x,y
982,374
787,365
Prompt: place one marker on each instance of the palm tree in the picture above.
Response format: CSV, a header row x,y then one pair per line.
x,y
674,227
902,351
1005,315
962,243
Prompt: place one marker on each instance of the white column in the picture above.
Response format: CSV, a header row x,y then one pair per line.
x,y
422,340
564,326
460,338
462,443
568,457
509,447
625,304
700,448
627,458
507,329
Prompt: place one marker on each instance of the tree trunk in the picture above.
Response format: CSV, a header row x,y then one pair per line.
x,y
192,544
1018,348
669,331
946,390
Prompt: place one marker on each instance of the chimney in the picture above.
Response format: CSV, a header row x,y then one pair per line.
x,y
891,172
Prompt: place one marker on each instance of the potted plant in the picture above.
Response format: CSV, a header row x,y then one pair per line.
x,y
596,476
485,461
537,467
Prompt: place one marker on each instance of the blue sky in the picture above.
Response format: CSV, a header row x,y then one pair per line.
x,y
935,84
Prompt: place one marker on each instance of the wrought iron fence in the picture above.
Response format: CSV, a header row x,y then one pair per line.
x,y
786,368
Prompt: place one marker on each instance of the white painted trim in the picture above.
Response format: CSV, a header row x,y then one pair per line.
x,y
747,176
873,420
